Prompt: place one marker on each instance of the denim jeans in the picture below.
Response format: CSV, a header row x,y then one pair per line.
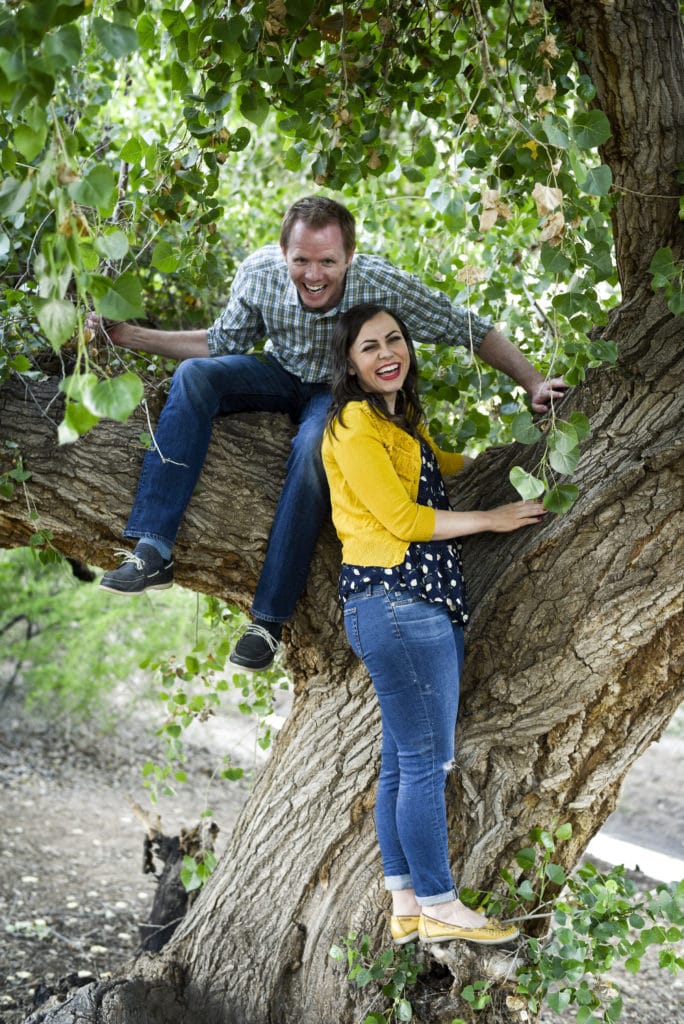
x,y
215,386
413,653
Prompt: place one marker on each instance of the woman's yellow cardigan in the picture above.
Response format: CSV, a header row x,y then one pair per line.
x,y
373,469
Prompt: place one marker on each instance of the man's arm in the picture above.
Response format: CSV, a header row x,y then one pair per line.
x,y
174,344
498,351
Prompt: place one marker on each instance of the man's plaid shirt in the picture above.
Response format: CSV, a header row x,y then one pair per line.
x,y
264,304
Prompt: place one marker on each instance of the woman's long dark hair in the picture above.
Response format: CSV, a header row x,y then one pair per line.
x,y
345,386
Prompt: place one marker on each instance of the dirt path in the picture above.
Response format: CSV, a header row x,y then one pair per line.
x,y
72,890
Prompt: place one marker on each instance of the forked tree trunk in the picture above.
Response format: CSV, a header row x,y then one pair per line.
x,y
573,646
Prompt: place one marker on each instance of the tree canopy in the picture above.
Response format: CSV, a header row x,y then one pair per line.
x,y
148,146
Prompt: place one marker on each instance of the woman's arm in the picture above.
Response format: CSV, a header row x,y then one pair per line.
x,y
503,519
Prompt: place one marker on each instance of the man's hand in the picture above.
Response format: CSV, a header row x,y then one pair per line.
x,y
174,344
502,355
118,332
545,392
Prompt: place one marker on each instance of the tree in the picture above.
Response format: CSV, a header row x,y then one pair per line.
x,y
576,629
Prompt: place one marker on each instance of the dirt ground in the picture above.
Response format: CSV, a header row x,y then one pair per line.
x,y
72,889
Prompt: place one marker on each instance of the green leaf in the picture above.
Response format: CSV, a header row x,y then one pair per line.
x,y
335,953
564,462
77,420
164,257
590,129
527,485
122,300
559,1001
97,189
132,151
556,132
526,858
113,245
564,831
561,498
58,320
14,196
63,48
239,140
115,397
555,874
404,1010
553,260
29,142
563,437
675,301
663,267
20,364
582,427
633,964
146,29
523,428
116,39
254,105
598,181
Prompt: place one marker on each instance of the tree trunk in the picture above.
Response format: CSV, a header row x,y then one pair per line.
x,y
573,645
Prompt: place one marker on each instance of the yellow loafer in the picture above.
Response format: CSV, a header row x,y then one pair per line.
x,y
404,929
492,932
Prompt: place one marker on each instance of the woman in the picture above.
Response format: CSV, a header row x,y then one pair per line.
x,y
404,608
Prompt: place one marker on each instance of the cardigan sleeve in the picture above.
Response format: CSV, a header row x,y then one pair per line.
x,y
367,470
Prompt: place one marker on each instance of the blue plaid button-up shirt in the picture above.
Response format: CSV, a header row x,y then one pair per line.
x,y
264,304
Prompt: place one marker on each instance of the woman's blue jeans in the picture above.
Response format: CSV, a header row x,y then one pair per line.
x,y
413,653
216,386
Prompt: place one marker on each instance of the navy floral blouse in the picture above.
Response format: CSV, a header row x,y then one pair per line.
x,y
431,569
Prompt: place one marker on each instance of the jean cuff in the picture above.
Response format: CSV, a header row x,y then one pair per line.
x,y
268,618
393,883
142,534
442,897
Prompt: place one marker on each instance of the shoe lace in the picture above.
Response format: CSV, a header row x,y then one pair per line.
x,y
264,634
129,556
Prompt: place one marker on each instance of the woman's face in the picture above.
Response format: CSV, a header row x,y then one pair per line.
x,y
380,358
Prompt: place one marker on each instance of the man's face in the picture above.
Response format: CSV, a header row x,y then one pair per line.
x,y
317,264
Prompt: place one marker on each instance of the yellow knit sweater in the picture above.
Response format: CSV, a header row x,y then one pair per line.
x,y
373,469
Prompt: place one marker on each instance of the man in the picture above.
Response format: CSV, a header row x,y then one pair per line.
x,y
292,295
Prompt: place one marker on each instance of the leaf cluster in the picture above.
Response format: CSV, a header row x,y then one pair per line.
x,y
596,919
192,689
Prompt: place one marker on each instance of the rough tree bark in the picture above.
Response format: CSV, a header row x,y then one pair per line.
x,y
573,646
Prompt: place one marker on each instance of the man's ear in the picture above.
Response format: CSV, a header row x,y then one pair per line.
x,y
350,255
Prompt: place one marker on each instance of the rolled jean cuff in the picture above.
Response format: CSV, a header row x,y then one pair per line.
x,y
393,883
442,897
268,618
136,534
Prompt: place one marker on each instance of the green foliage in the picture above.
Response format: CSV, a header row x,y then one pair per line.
x,y
53,643
192,689
468,157
598,919
668,274
197,870
394,970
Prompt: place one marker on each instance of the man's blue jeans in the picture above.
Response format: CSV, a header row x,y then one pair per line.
x,y
413,653
215,386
